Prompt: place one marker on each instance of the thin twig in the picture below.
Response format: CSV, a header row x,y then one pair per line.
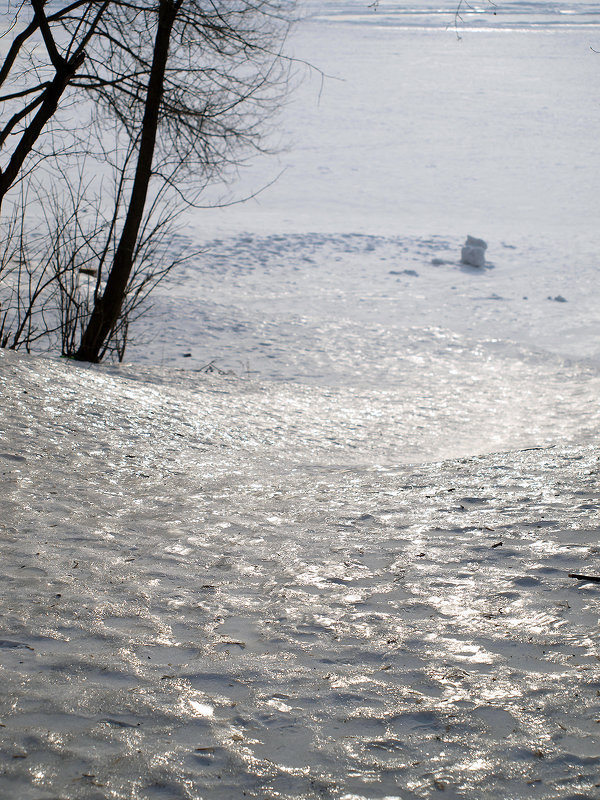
x,y
593,578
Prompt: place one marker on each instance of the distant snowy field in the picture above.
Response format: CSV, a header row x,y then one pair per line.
x,y
339,569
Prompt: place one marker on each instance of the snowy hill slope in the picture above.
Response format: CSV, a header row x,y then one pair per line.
x,y
196,608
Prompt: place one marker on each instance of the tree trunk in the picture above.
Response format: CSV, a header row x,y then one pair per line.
x,y
108,307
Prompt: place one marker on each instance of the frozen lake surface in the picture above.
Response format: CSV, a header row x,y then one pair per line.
x,y
336,566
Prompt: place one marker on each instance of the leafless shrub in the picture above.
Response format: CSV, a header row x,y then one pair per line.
x,y
55,250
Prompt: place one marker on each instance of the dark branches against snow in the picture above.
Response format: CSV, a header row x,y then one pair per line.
x,y
192,85
65,47
169,95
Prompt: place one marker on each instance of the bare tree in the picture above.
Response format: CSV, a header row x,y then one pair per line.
x,y
191,82
184,88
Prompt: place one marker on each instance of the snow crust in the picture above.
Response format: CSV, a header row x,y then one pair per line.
x,y
336,566
205,594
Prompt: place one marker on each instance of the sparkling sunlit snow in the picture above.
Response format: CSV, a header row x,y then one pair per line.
x,y
337,565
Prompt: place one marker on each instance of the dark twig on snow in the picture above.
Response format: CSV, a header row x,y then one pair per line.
x,y
212,367
594,578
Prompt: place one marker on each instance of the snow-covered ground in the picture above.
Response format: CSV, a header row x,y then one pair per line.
x,y
206,595
337,567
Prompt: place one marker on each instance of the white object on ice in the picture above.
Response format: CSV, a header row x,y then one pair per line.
x,y
473,252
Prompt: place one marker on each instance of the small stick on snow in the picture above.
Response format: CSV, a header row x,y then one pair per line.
x,y
594,578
